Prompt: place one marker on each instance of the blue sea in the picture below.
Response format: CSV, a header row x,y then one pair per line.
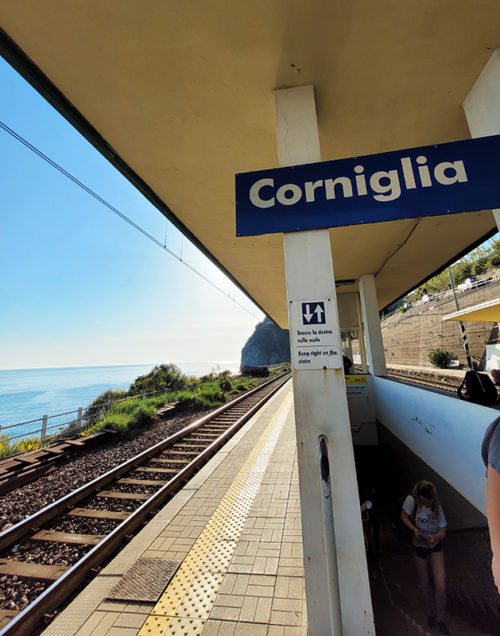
x,y
29,394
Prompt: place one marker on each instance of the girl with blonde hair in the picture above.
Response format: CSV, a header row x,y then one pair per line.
x,y
422,514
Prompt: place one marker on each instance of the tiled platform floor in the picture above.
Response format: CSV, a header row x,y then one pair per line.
x,y
473,608
236,528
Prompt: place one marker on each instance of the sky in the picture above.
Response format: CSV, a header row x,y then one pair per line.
x,y
81,287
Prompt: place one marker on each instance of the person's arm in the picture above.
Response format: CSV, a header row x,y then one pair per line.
x,y
440,533
437,536
493,512
405,518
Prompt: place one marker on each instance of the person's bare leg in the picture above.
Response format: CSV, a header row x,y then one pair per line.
x,y
439,574
424,583
438,571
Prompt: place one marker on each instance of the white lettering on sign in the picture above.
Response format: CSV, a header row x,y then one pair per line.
x,y
384,185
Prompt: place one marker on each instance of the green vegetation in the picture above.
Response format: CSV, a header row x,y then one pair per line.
x,y
22,446
108,396
129,417
165,377
439,358
128,414
206,398
475,263
187,393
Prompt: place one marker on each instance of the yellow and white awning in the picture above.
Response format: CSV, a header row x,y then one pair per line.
x,y
484,312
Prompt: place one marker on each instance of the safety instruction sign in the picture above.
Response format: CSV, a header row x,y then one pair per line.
x,y
315,334
356,385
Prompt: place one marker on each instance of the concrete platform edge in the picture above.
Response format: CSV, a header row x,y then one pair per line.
x,y
80,610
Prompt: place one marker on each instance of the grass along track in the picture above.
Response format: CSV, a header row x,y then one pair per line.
x,y
46,556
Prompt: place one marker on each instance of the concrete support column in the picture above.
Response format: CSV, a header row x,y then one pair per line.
x,y
371,320
482,105
361,339
335,604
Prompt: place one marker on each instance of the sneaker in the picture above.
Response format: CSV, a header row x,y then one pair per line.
x,y
442,627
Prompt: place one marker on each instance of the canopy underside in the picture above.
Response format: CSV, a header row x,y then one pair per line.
x,y
180,96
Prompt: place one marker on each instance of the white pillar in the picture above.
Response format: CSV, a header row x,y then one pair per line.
x,y
371,320
321,411
361,336
482,105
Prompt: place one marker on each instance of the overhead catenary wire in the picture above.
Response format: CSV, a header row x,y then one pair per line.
x,y
112,208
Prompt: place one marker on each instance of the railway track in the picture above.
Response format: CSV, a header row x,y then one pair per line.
x,y
46,556
446,384
21,469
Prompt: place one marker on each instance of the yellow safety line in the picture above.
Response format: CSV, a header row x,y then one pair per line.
x,y
191,593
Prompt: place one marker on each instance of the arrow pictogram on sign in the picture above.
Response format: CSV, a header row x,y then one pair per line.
x,y
313,313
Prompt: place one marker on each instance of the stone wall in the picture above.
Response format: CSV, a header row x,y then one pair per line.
x,y
409,336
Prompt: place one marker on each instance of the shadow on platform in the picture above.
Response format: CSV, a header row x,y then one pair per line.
x,y
473,604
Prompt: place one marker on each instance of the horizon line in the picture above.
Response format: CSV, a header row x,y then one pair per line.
x,y
132,364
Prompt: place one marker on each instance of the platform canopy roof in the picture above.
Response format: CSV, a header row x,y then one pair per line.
x,y
180,97
488,311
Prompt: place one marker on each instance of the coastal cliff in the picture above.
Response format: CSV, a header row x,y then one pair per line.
x,y
269,344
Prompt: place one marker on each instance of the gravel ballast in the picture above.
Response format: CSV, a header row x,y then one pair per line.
x,y
23,502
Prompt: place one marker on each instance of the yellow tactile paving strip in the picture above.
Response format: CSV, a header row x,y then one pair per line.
x,y
187,602
261,591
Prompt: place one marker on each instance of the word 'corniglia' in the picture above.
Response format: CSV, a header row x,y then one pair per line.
x,y
384,185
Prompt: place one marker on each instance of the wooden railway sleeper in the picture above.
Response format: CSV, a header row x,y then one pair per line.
x,y
26,621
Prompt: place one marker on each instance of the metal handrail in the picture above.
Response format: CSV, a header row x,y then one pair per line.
x,y
83,414
28,619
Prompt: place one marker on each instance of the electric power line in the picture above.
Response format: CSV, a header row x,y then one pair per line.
x,y
110,207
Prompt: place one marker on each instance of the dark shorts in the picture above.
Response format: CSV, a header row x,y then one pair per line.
x,y
425,553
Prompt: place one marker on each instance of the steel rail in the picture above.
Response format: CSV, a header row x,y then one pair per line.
x,y
20,472
84,410
22,528
451,384
404,376
57,592
423,381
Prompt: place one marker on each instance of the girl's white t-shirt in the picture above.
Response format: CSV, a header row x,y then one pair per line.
x,y
425,521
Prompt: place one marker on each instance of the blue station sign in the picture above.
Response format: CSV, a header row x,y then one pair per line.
x,y
460,176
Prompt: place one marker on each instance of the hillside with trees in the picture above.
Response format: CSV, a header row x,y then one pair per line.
x,y
413,330
479,262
